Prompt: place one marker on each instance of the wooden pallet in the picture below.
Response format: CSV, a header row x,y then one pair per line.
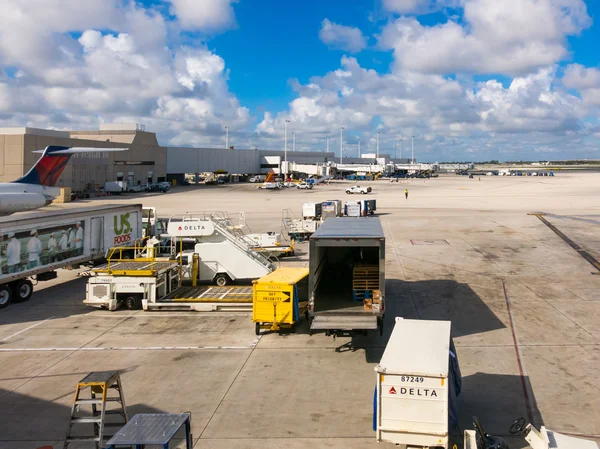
x,y
365,277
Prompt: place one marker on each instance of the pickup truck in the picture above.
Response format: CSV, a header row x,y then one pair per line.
x,y
358,189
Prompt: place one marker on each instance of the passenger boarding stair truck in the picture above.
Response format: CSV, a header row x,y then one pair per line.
x,y
34,245
347,276
226,253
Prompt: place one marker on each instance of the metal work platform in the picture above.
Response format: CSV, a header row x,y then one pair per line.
x,y
206,298
147,267
152,429
209,293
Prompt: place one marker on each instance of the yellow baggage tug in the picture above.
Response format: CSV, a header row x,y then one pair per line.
x,y
279,299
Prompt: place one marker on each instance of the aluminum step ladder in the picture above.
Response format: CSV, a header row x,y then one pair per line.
x,y
100,383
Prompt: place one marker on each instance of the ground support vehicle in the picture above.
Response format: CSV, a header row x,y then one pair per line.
x,y
537,439
225,252
34,245
280,299
336,248
155,284
297,229
358,189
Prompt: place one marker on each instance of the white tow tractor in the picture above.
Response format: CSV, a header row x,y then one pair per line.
x,y
537,439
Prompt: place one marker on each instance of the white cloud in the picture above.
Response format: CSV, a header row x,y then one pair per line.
x,y
432,107
205,15
417,6
342,37
586,80
509,37
126,75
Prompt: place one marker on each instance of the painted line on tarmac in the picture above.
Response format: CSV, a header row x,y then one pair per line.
x,y
27,328
524,382
129,348
582,252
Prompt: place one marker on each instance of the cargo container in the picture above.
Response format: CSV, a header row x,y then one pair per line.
x,y
35,245
352,209
345,252
418,382
330,209
311,210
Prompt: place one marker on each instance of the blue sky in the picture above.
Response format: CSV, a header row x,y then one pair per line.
x,y
470,79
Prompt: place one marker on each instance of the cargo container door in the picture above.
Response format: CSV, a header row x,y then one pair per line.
x,y
97,236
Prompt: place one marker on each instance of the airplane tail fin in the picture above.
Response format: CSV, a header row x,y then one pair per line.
x,y
47,170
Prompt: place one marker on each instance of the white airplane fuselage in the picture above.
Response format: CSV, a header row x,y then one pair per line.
x,y
18,197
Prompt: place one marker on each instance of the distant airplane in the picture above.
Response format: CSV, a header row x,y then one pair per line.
x,y
36,189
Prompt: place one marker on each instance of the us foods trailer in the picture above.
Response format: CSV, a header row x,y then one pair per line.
x,y
347,275
35,245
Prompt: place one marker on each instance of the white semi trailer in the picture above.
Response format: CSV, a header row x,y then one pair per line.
x,y
35,245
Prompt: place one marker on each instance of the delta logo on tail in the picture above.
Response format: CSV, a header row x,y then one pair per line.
x,y
48,168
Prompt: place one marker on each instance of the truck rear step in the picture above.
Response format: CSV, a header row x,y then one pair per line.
x,y
343,322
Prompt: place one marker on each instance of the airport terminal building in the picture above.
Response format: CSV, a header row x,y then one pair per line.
x,y
145,161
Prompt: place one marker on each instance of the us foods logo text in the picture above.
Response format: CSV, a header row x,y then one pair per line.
x,y
122,229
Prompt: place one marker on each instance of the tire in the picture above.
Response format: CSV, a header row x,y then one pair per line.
x,y
133,303
257,328
363,192
221,280
5,295
22,290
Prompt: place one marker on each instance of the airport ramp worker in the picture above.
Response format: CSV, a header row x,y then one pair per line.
x,y
406,193
34,248
13,253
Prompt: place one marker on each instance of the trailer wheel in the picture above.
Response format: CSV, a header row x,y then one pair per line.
x,y
133,303
257,328
221,280
22,290
5,295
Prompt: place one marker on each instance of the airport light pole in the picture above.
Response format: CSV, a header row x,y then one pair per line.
x,y
341,144
401,140
358,138
377,155
293,140
227,137
327,144
285,146
413,150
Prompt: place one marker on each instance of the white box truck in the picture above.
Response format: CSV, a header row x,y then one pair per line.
x,y
35,245
418,381
347,276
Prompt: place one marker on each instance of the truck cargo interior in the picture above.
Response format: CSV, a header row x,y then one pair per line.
x,y
334,285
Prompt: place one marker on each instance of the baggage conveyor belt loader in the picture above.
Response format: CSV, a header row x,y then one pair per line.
x,y
151,284
220,257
